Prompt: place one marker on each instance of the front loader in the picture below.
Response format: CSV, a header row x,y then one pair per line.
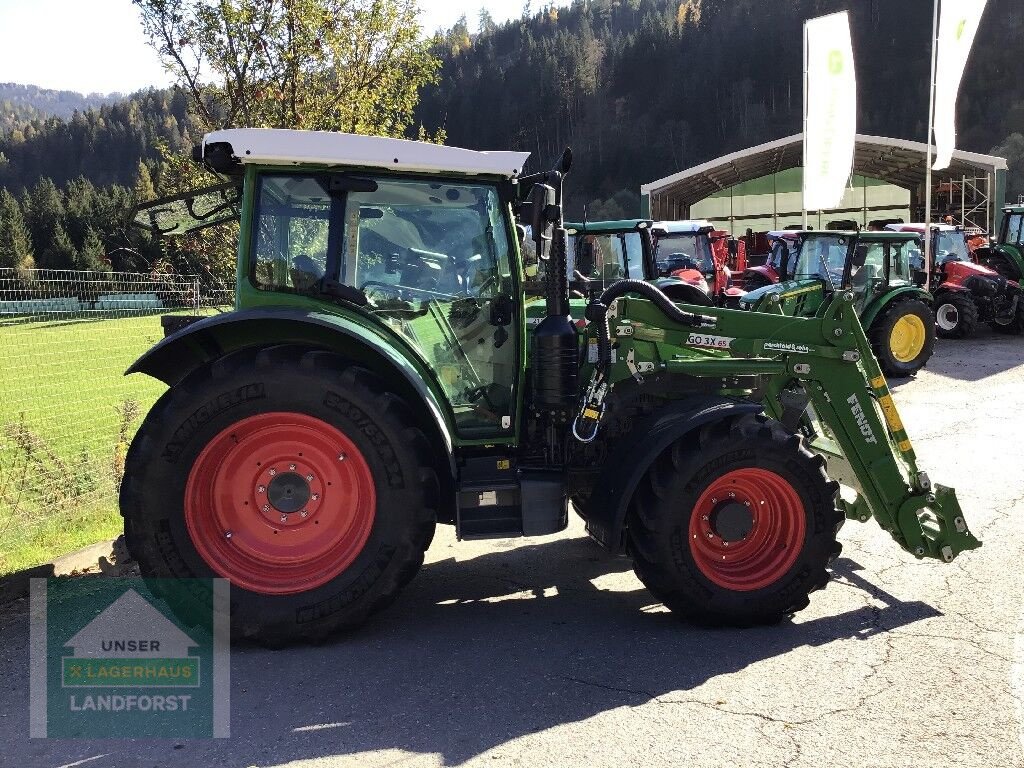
x,y
384,371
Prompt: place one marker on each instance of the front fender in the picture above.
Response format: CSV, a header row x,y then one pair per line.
x,y
197,344
875,308
629,460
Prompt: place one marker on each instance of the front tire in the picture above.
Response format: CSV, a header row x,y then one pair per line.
x,y
296,476
956,315
735,525
903,337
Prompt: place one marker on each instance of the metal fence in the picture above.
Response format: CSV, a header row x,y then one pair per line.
x,y
67,412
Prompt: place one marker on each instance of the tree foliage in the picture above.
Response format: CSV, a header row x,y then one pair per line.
x,y
349,65
643,88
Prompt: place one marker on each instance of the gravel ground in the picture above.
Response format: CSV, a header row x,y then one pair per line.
x,y
547,652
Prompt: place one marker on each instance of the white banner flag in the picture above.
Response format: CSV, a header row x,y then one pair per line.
x,y
958,24
830,119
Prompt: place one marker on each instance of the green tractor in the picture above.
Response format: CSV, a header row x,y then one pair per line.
x,y
1005,254
385,371
881,271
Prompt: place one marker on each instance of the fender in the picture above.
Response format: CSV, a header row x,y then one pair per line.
x,y
630,458
176,356
875,308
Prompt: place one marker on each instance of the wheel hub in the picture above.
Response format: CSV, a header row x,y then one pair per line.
x,y
747,528
907,338
731,521
280,503
947,317
288,492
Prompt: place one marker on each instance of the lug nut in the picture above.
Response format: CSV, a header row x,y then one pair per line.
x,y
273,471
227,534
291,467
341,457
711,535
309,478
303,513
704,518
266,507
261,489
315,497
284,518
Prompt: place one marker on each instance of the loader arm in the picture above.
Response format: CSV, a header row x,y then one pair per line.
x,y
816,375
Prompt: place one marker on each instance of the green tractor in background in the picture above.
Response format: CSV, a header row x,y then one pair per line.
x,y
882,271
386,370
1005,254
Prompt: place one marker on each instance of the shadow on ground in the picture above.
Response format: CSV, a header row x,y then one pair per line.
x,y
984,354
474,654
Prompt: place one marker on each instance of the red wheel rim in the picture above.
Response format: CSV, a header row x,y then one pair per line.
x,y
747,529
280,503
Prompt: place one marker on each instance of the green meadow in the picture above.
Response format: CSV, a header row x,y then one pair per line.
x,y
67,414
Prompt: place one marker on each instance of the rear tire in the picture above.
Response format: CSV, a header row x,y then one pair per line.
x,y
903,337
343,462
746,481
1014,325
956,315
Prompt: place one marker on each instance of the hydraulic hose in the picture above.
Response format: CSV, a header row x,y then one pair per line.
x,y
597,312
592,406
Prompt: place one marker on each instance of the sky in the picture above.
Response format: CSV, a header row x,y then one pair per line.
x,y
97,46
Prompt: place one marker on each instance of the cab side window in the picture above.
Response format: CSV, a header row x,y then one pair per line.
x,y
290,238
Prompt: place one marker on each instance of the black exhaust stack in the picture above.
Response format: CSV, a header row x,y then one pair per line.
x,y
554,360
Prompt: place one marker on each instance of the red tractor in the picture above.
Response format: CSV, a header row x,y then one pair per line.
x,y
701,256
784,246
967,293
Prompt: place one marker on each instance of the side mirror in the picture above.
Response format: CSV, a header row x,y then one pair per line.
x,y
391,263
920,278
860,255
542,200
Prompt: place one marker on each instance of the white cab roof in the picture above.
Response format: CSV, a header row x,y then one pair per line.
x,y
919,227
281,147
680,227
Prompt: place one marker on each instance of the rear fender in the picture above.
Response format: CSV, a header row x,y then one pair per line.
x,y
197,344
630,458
900,294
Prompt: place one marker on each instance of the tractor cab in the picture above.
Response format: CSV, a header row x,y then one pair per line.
x,y
1005,253
697,254
599,253
881,271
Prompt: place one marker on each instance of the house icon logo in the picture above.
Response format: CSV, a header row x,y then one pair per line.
x,y
130,643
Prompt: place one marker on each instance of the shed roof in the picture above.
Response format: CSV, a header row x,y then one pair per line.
x,y
896,161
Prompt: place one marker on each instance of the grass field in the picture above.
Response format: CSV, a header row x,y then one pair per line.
x,y
67,413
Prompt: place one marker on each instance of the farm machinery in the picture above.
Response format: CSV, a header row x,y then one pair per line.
x,y
878,270
383,372
967,292
1005,254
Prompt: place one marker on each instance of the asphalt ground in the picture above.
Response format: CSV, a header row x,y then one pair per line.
x,y
547,652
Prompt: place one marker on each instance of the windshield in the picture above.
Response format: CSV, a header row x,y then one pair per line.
x,y
606,257
822,257
682,250
1012,233
951,246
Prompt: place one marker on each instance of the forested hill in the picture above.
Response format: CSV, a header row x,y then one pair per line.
x,y
643,88
104,144
639,89
20,104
